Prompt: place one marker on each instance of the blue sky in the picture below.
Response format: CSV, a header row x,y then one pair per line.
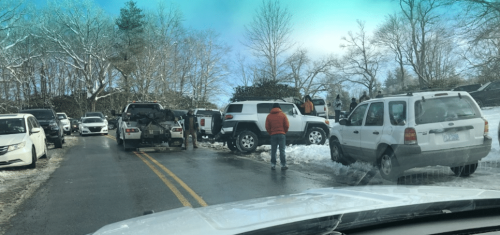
x,y
318,24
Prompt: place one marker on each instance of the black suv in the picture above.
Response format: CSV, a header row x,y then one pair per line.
x,y
488,94
52,126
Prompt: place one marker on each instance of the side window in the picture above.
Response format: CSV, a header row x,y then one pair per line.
x,y
264,107
356,118
287,109
375,116
397,112
495,86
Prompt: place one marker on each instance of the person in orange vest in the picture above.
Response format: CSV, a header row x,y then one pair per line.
x,y
308,106
277,126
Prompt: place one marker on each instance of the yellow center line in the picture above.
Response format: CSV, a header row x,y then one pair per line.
x,y
184,185
172,187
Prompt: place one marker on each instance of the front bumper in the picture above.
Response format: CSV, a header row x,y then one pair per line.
x,y
410,156
20,157
95,130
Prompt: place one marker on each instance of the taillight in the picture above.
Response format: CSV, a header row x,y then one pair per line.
x,y
202,122
229,116
486,127
410,136
324,108
131,130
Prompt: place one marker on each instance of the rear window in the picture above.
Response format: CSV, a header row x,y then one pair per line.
x,y
444,109
234,108
206,112
318,102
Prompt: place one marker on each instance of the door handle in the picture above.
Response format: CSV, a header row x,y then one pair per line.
x,y
356,132
376,132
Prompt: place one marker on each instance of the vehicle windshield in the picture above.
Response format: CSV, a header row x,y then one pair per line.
x,y
92,120
384,119
40,114
12,126
98,114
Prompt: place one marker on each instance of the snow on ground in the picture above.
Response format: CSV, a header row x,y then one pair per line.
x,y
19,183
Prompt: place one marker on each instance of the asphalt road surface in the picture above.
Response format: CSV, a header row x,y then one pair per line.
x,y
99,183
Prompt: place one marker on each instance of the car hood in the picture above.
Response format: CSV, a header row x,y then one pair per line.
x,y
254,214
11,139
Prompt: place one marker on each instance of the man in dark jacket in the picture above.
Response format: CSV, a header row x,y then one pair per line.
x,y
190,128
277,126
353,105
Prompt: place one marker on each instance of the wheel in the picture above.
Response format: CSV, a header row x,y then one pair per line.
x,y
175,143
337,155
46,151
315,135
33,158
118,140
231,144
58,142
388,165
247,141
465,170
216,123
127,145
111,126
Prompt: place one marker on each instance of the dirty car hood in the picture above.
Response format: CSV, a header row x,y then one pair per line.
x,y
254,214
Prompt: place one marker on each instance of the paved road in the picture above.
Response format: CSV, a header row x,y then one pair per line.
x,y
99,184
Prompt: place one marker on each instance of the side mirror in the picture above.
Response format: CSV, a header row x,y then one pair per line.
x,y
35,130
343,122
113,112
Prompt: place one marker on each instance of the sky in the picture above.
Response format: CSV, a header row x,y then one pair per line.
x,y
318,24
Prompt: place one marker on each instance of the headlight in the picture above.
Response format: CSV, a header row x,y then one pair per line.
x,y
53,125
16,146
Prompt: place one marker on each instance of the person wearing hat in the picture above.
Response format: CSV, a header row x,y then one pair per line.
x,y
338,108
190,128
277,126
308,106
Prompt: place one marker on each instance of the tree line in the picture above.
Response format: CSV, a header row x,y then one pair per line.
x,y
72,52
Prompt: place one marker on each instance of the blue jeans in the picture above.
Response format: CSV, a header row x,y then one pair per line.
x,y
276,140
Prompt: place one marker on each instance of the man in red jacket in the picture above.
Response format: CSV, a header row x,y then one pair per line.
x,y
277,127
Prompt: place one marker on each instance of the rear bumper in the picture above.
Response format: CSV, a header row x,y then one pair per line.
x,y
410,156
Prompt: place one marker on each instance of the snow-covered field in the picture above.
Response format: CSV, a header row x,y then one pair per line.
x,y
317,158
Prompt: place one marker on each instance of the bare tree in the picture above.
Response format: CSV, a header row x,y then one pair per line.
x,y
362,60
268,37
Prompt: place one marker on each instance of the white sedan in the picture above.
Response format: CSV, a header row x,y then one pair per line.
x,y
93,125
22,140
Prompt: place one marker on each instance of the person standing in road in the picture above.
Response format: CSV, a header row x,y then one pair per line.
x,y
353,105
190,128
364,97
308,106
338,108
277,126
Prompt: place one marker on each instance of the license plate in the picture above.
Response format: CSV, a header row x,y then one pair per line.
x,y
447,137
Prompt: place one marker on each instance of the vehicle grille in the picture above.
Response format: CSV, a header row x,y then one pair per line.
x,y
10,162
3,149
95,129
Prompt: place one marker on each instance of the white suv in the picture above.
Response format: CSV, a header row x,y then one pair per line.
x,y
244,125
397,133
66,123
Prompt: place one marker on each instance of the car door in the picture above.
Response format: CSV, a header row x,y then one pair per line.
x,y
372,130
35,137
351,132
295,121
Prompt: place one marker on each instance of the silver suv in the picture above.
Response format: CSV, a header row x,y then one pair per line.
x,y
397,133
243,127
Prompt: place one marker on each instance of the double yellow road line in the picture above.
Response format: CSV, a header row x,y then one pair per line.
x,y
145,157
154,165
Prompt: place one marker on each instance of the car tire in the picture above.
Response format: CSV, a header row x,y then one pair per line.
x,y
33,158
119,141
464,171
171,143
46,151
315,135
231,145
58,142
216,124
337,155
247,141
388,165
126,146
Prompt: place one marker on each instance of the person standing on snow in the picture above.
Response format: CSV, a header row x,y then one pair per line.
x,y
277,126
364,97
190,128
308,106
353,105
338,108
